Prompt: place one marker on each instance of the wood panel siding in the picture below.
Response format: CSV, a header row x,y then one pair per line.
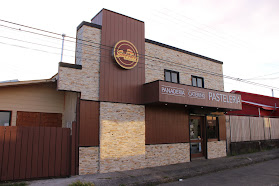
x,y
35,119
89,123
118,84
166,124
31,98
222,127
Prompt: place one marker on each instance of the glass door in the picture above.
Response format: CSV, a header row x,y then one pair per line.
x,y
196,136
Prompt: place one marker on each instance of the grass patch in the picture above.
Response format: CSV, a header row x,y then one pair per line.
x,y
79,183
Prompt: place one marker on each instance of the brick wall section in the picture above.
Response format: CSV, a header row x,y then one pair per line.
x,y
154,68
216,149
88,160
85,80
166,154
122,136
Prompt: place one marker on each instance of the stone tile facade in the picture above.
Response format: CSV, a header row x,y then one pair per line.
x,y
165,58
166,154
122,126
85,80
122,136
216,149
88,160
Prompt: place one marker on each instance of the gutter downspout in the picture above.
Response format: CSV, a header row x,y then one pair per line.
x,y
275,107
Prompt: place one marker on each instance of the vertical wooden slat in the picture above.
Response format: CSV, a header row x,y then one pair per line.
x,y
23,157
68,165
267,128
6,154
41,151
46,152
64,153
35,152
12,154
257,130
2,137
29,152
52,153
73,148
18,153
58,149
77,149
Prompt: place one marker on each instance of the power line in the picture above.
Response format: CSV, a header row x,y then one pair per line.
x,y
153,57
257,77
33,43
240,80
229,35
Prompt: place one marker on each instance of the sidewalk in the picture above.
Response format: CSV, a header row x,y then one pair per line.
x,y
167,173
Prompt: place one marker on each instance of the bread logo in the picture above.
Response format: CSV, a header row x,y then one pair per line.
x,y
126,54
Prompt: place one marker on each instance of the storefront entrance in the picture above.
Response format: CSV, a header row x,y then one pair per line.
x,y
197,136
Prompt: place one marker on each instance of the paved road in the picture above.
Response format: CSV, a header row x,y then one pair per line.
x,y
265,173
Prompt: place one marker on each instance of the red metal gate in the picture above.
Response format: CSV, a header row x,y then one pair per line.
x,y
37,152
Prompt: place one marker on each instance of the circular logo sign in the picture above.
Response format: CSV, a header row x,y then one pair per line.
x,y
126,54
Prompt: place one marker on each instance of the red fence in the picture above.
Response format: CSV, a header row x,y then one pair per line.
x,y
36,152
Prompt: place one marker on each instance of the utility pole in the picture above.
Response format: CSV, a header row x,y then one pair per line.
x,y
63,35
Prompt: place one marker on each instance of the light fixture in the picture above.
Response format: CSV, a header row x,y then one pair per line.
x,y
166,104
201,107
185,105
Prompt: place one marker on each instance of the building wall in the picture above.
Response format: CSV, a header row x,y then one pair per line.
x,y
177,61
216,149
70,108
32,98
165,124
166,154
89,123
85,80
122,136
88,160
118,84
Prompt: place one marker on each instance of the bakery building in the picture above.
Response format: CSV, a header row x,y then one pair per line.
x,y
138,102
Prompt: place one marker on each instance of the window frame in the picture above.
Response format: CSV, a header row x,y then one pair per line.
x,y
217,135
197,77
171,72
10,119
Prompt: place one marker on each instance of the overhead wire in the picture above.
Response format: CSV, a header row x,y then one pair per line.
x,y
153,57
257,77
76,57
230,35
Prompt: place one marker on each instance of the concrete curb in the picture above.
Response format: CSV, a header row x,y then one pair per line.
x,y
169,173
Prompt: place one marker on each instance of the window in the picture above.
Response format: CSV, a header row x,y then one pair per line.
x,y
197,81
212,127
171,76
5,118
